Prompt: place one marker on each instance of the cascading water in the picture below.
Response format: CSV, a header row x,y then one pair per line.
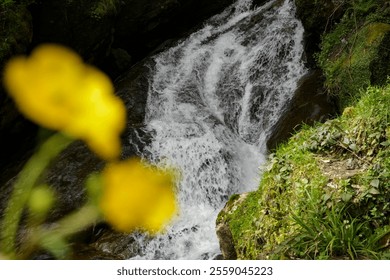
x,y
212,101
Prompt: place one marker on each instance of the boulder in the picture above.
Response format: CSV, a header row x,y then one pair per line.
x,y
223,226
309,104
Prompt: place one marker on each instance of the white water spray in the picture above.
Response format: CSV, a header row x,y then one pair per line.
x,y
212,101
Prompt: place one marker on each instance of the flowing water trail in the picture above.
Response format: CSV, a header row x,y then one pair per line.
x,y
212,100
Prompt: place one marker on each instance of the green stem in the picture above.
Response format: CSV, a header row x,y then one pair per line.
x,y
54,238
22,189
75,222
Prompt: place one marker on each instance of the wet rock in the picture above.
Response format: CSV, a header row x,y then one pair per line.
x,y
317,17
309,104
86,252
143,25
74,24
223,230
226,242
121,61
67,175
380,65
97,31
114,244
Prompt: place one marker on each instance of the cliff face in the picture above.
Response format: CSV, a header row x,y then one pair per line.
x,y
324,194
98,28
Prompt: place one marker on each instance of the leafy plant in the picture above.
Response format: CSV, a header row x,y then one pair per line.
x,y
334,234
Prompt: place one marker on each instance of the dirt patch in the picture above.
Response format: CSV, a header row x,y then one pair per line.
x,y
336,168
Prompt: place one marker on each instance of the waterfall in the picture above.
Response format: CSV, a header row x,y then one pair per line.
x,y
212,100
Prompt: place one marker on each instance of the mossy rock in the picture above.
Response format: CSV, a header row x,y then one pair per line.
x,y
380,66
357,62
323,195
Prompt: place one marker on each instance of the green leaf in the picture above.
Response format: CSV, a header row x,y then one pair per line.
x,y
373,191
353,147
94,186
346,141
375,183
346,197
386,143
284,168
56,245
326,197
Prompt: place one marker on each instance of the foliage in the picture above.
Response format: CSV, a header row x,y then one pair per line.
x,y
105,7
5,3
348,51
326,193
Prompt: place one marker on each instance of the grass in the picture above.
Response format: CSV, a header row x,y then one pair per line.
x,y
305,208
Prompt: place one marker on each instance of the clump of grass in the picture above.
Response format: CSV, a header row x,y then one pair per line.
x,y
334,234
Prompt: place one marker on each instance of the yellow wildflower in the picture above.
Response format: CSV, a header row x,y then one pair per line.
x,y
55,89
137,196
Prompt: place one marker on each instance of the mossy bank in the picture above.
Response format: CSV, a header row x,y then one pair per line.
x,y
325,194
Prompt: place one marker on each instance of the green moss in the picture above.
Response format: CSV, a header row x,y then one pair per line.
x,y
311,204
347,66
222,216
351,52
104,8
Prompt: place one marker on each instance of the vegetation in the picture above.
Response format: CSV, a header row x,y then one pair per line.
x,y
105,7
15,22
326,193
15,25
353,48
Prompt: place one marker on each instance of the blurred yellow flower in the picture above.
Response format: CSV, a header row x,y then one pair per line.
x,y
137,196
55,89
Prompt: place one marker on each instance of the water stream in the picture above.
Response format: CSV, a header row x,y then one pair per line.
x,y
212,100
